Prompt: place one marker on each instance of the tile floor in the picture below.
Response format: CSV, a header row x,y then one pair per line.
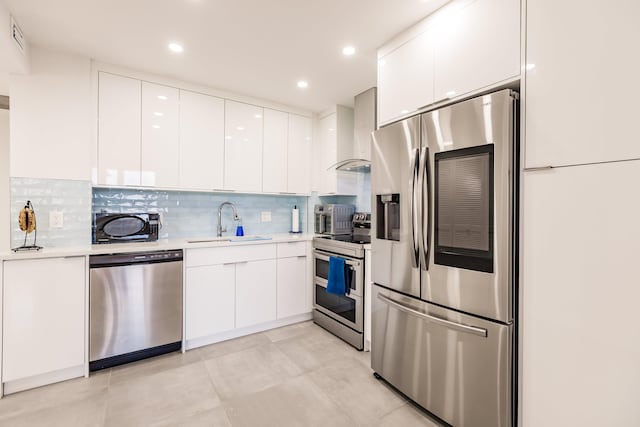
x,y
299,375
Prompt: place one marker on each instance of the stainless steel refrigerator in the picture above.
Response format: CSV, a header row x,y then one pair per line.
x,y
444,258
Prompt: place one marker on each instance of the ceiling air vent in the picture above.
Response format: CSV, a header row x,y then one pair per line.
x,y
17,35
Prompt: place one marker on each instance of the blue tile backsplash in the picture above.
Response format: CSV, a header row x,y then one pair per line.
x,y
72,198
185,214
188,214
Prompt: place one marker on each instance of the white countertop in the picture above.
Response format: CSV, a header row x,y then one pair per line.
x,y
166,244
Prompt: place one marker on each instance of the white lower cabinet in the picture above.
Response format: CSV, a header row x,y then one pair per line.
x,y
210,300
293,284
43,316
255,292
235,290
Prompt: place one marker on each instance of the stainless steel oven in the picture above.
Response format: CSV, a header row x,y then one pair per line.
x,y
346,309
342,315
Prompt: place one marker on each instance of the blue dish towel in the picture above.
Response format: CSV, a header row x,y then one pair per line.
x,y
338,282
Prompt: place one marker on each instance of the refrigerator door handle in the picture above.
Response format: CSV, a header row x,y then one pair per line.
x,y
446,323
425,207
415,259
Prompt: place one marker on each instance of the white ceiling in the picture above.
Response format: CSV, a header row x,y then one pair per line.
x,y
259,48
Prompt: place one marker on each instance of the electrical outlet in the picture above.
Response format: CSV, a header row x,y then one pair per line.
x,y
265,216
56,219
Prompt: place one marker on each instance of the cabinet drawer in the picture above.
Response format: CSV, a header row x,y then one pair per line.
x,y
229,254
289,249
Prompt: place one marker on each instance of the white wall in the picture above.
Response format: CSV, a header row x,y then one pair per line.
x,y
51,118
4,180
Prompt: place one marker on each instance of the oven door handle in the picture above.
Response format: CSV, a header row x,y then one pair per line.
x,y
443,322
346,261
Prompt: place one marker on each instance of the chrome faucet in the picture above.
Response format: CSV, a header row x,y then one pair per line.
x,y
235,217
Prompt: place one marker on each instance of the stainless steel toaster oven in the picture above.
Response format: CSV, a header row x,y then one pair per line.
x,y
333,219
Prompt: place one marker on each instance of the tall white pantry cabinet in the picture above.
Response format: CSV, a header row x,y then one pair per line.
x,y
580,293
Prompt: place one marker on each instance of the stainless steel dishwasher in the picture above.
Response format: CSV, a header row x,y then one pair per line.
x,y
135,306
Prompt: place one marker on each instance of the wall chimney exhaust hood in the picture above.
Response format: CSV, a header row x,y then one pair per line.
x,y
352,165
364,122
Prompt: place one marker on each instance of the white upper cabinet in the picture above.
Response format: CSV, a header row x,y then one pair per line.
x,y
155,135
335,143
201,141
160,152
243,147
463,47
476,46
326,155
119,118
299,155
274,172
575,113
405,78
364,122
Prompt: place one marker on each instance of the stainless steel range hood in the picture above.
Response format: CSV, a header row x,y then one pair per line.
x,y
364,122
352,165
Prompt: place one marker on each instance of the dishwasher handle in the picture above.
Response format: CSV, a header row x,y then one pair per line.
x,y
121,259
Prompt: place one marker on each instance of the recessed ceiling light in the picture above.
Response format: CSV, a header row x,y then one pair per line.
x,y
348,50
307,138
175,47
246,140
303,84
257,116
158,113
331,129
162,97
240,128
155,126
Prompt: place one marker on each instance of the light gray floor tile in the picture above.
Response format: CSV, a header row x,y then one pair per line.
x,y
212,418
53,395
407,416
250,370
88,412
290,331
169,395
315,349
296,402
294,376
352,386
152,366
232,346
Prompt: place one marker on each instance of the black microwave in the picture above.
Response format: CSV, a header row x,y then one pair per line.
x,y
125,227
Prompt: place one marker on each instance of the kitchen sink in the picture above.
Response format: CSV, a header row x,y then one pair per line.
x,y
212,240
248,238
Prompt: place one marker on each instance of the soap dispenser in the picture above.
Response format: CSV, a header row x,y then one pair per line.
x,y
239,228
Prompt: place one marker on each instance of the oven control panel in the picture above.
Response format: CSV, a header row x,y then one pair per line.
x,y
362,220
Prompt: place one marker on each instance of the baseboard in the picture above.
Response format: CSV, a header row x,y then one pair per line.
x,y
43,379
240,332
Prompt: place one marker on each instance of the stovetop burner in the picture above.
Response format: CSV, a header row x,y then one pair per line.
x,y
350,238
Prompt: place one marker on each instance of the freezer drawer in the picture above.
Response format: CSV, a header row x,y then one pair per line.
x,y
457,366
